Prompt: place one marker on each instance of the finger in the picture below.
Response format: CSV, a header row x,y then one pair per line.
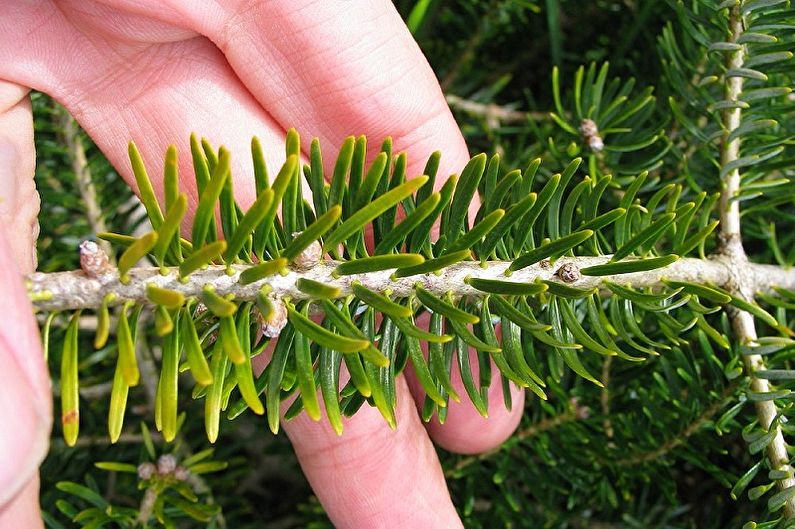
x,y
19,205
357,476
342,72
25,394
332,69
121,89
372,476
465,430
23,511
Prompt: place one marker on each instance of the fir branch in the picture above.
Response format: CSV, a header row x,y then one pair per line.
x,y
679,320
73,290
736,260
466,55
573,412
96,391
147,506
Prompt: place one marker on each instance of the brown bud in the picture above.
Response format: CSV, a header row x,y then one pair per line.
x,y
181,474
93,260
590,133
310,257
146,470
166,464
580,411
588,127
276,321
568,273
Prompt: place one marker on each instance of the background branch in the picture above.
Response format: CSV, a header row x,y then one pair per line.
x,y
85,185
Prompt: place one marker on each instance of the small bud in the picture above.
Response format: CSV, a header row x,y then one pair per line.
x,y
590,133
167,464
569,273
93,260
181,474
580,412
310,257
276,321
146,471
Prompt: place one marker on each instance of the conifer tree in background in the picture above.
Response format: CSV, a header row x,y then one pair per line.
x,y
638,263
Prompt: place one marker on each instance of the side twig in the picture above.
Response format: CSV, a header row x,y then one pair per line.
x,y
737,262
492,112
604,399
691,429
85,184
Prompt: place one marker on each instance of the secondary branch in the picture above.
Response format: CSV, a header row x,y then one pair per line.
x,y
736,258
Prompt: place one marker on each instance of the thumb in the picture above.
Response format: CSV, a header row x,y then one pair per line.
x,y
19,202
25,402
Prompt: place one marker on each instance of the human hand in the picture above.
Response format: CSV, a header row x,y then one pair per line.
x,y
154,71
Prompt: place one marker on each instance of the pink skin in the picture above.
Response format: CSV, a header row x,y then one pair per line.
x,y
156,70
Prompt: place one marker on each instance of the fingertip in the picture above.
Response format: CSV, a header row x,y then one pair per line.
x,y
23,510
372,476
465,431
24,435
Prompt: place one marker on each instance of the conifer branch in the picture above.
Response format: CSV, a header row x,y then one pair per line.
x,y
603,250
74,290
